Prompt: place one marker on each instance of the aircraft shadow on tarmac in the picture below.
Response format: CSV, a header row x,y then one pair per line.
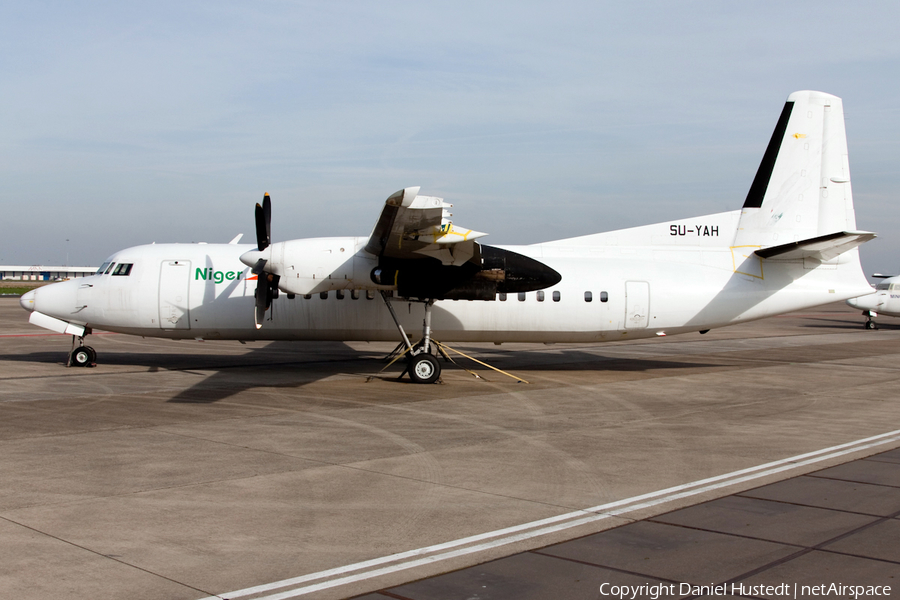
x,y
296,364
223,384
858,324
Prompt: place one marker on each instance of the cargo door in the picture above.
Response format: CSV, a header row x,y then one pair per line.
x,y
174,286
637,304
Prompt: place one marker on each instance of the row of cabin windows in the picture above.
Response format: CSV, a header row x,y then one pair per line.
x,y
539,295
339,294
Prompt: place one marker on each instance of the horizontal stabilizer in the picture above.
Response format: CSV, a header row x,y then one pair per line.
x,y
823,247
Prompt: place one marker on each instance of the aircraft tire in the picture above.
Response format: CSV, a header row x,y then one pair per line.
x,y
83,356
424,368
871,325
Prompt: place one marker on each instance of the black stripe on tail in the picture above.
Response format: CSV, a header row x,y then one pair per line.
x,y
761,181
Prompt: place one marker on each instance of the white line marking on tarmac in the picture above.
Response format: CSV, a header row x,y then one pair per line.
x,y
509,535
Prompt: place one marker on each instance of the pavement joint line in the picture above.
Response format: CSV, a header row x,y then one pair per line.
x,y
887,485
100,554
880,460
808,549
549,525
599,566
393,595
749,496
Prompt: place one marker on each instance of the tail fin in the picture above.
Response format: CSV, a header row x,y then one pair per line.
x,y
802,188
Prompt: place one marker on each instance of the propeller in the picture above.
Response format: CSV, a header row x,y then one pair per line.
x,y
266,282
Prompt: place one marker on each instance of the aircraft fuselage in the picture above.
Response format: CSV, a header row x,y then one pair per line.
x,y
607,292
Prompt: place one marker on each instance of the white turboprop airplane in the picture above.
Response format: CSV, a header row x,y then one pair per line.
x,y
793,245
885,300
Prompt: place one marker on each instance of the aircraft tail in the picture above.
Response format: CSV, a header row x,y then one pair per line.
x,y
801,191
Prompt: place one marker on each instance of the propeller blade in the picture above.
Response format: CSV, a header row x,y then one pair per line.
x,y
262,289
264,223
259,267
267,213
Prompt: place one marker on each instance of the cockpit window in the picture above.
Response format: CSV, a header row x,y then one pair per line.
x,y
883,286
123,269
109,268
102,268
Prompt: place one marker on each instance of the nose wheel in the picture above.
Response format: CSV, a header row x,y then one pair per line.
x,y
870,324
81,356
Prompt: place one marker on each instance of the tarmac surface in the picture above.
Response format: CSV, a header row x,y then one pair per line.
x,y
185,470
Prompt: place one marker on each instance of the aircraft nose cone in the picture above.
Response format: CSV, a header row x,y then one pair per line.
x,y
853,302
27,301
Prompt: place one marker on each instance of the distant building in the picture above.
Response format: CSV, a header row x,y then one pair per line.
x,y
43,273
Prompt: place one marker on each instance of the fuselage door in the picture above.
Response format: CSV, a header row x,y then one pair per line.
x,y
174,286
637,304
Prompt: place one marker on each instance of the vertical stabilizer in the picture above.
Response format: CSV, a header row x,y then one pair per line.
x,y
802,187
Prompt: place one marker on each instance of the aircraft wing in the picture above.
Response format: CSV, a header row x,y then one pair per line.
x,y
823,247
413,226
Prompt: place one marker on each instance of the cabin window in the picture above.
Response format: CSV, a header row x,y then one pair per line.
x,y
307,296
102,268
502,296
370,294
588,297
323,295
109,268
540,295
556,296
124,269
354,294
604,297
521,296
339,294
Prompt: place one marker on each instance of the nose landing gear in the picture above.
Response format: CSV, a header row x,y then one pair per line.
x,y
870,322
81,355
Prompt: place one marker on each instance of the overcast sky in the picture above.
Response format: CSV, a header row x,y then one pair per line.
x,y
123,124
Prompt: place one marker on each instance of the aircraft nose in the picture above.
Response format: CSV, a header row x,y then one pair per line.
x,y
853,302
56,299
27,301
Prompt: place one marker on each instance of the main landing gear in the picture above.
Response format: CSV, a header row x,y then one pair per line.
x,y
423,366
81,355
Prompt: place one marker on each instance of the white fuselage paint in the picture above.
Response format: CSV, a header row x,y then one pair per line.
x,y
678,283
